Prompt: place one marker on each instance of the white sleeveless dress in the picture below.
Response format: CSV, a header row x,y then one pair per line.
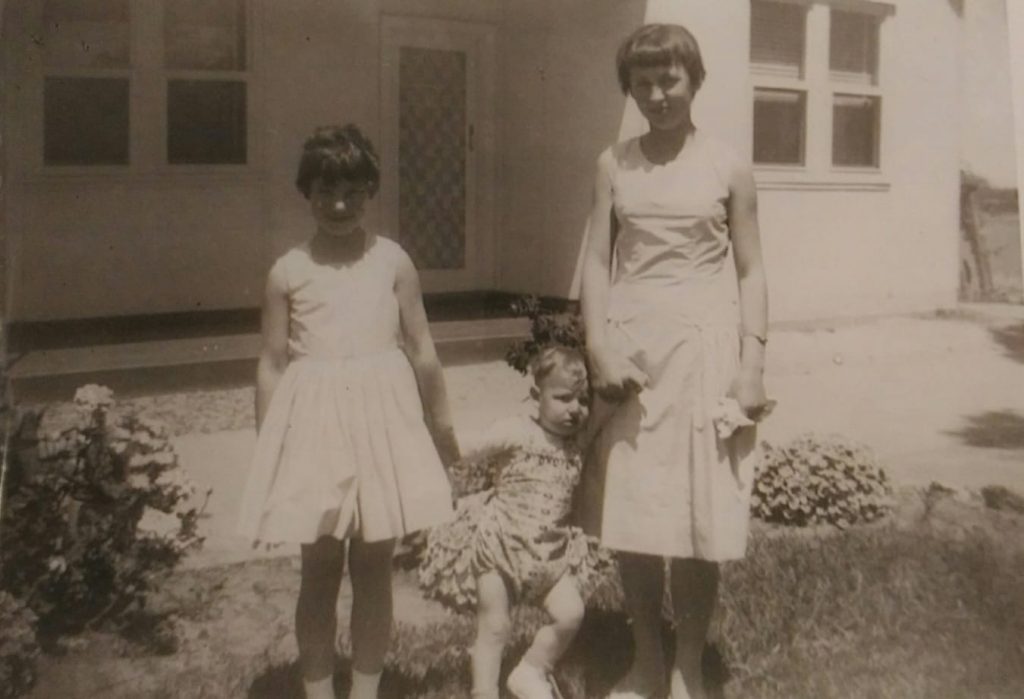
x,y
658,480
343,449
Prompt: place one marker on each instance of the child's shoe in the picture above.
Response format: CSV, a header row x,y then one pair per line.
x,y
529,682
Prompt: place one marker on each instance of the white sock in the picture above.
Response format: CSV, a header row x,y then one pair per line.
x,y
364,685
319,689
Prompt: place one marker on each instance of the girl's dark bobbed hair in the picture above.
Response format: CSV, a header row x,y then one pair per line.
x,y
335,153
660,45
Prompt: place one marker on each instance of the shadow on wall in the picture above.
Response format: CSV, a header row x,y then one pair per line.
x,y
998,429
1011,338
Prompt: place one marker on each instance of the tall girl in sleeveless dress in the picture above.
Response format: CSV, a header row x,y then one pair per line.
x,y
351,411
662,334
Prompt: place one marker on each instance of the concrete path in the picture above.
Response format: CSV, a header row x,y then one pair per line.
x,y
937,398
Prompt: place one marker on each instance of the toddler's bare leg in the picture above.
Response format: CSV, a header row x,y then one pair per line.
x,y
566,608
492,633
371,613
316,620
529,679
643,584
694,593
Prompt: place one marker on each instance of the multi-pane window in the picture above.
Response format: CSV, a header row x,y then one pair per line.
x,y
815,69
87,58
108,63
853,59
205,56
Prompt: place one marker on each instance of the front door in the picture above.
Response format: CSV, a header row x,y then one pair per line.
x,y
437,148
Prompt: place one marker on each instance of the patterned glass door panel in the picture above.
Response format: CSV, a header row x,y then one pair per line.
x,y
432,127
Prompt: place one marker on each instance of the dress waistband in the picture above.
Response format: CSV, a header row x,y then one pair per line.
x,y
382,353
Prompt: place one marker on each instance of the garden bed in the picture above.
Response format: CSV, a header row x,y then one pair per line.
x,y
926,603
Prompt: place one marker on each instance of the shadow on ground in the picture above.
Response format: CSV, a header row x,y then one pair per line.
x,y
598,657
999,429
1011,339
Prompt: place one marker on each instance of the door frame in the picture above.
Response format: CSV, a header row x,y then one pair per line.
x,y
477,41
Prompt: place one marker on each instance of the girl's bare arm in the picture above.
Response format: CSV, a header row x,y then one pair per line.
x,y
748,389
274,353
612,376
419,347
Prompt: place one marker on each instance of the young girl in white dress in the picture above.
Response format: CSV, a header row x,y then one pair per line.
x,y
510,542
669,339
351,410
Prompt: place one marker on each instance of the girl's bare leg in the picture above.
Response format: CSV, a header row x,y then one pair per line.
x,y
694,594
492,632
643,584
316,620
565,606
371,613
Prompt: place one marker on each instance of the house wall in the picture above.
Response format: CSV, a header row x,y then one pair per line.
x,y
111,241
107,244
843,252
559,106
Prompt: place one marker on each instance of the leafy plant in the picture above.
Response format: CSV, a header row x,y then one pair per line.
x,y
18,647
95,513
548,326
820,480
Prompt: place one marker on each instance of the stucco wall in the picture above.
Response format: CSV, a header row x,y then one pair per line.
x,y
844,253
559,106
147,243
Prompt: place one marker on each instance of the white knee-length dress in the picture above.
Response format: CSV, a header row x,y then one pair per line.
x,y
344,449
658,480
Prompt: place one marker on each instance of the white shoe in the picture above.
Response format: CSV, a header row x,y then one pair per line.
x,y
529,682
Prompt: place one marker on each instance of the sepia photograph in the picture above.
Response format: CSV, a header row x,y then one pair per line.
x,y
511,349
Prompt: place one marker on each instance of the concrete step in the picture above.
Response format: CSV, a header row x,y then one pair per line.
x,y
457,341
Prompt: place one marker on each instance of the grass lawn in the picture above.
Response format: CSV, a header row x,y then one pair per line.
x,y
928,603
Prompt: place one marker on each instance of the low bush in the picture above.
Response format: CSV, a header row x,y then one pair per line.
x,y
548,326
18,647
820,480
95,513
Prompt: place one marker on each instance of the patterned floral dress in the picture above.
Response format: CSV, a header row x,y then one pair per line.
x,y
517,524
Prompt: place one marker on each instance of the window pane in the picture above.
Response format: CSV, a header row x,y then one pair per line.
x,y
777,32
206,122
86,33
779,118
85,121
853,47
204,34
855,130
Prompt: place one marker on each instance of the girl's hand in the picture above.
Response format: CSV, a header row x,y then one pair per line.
x,y
447,446
614,378
748,390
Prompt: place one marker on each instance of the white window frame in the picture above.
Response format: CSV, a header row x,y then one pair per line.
x,y
147,101
820,87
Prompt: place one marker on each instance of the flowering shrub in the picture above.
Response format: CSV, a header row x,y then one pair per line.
x,y
820,480
18,648
95,513
547,327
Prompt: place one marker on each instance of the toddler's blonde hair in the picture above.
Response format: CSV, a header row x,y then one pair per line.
x,y
562,358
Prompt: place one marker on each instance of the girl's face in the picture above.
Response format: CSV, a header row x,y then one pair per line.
x,y
563,402
663,94
338,208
